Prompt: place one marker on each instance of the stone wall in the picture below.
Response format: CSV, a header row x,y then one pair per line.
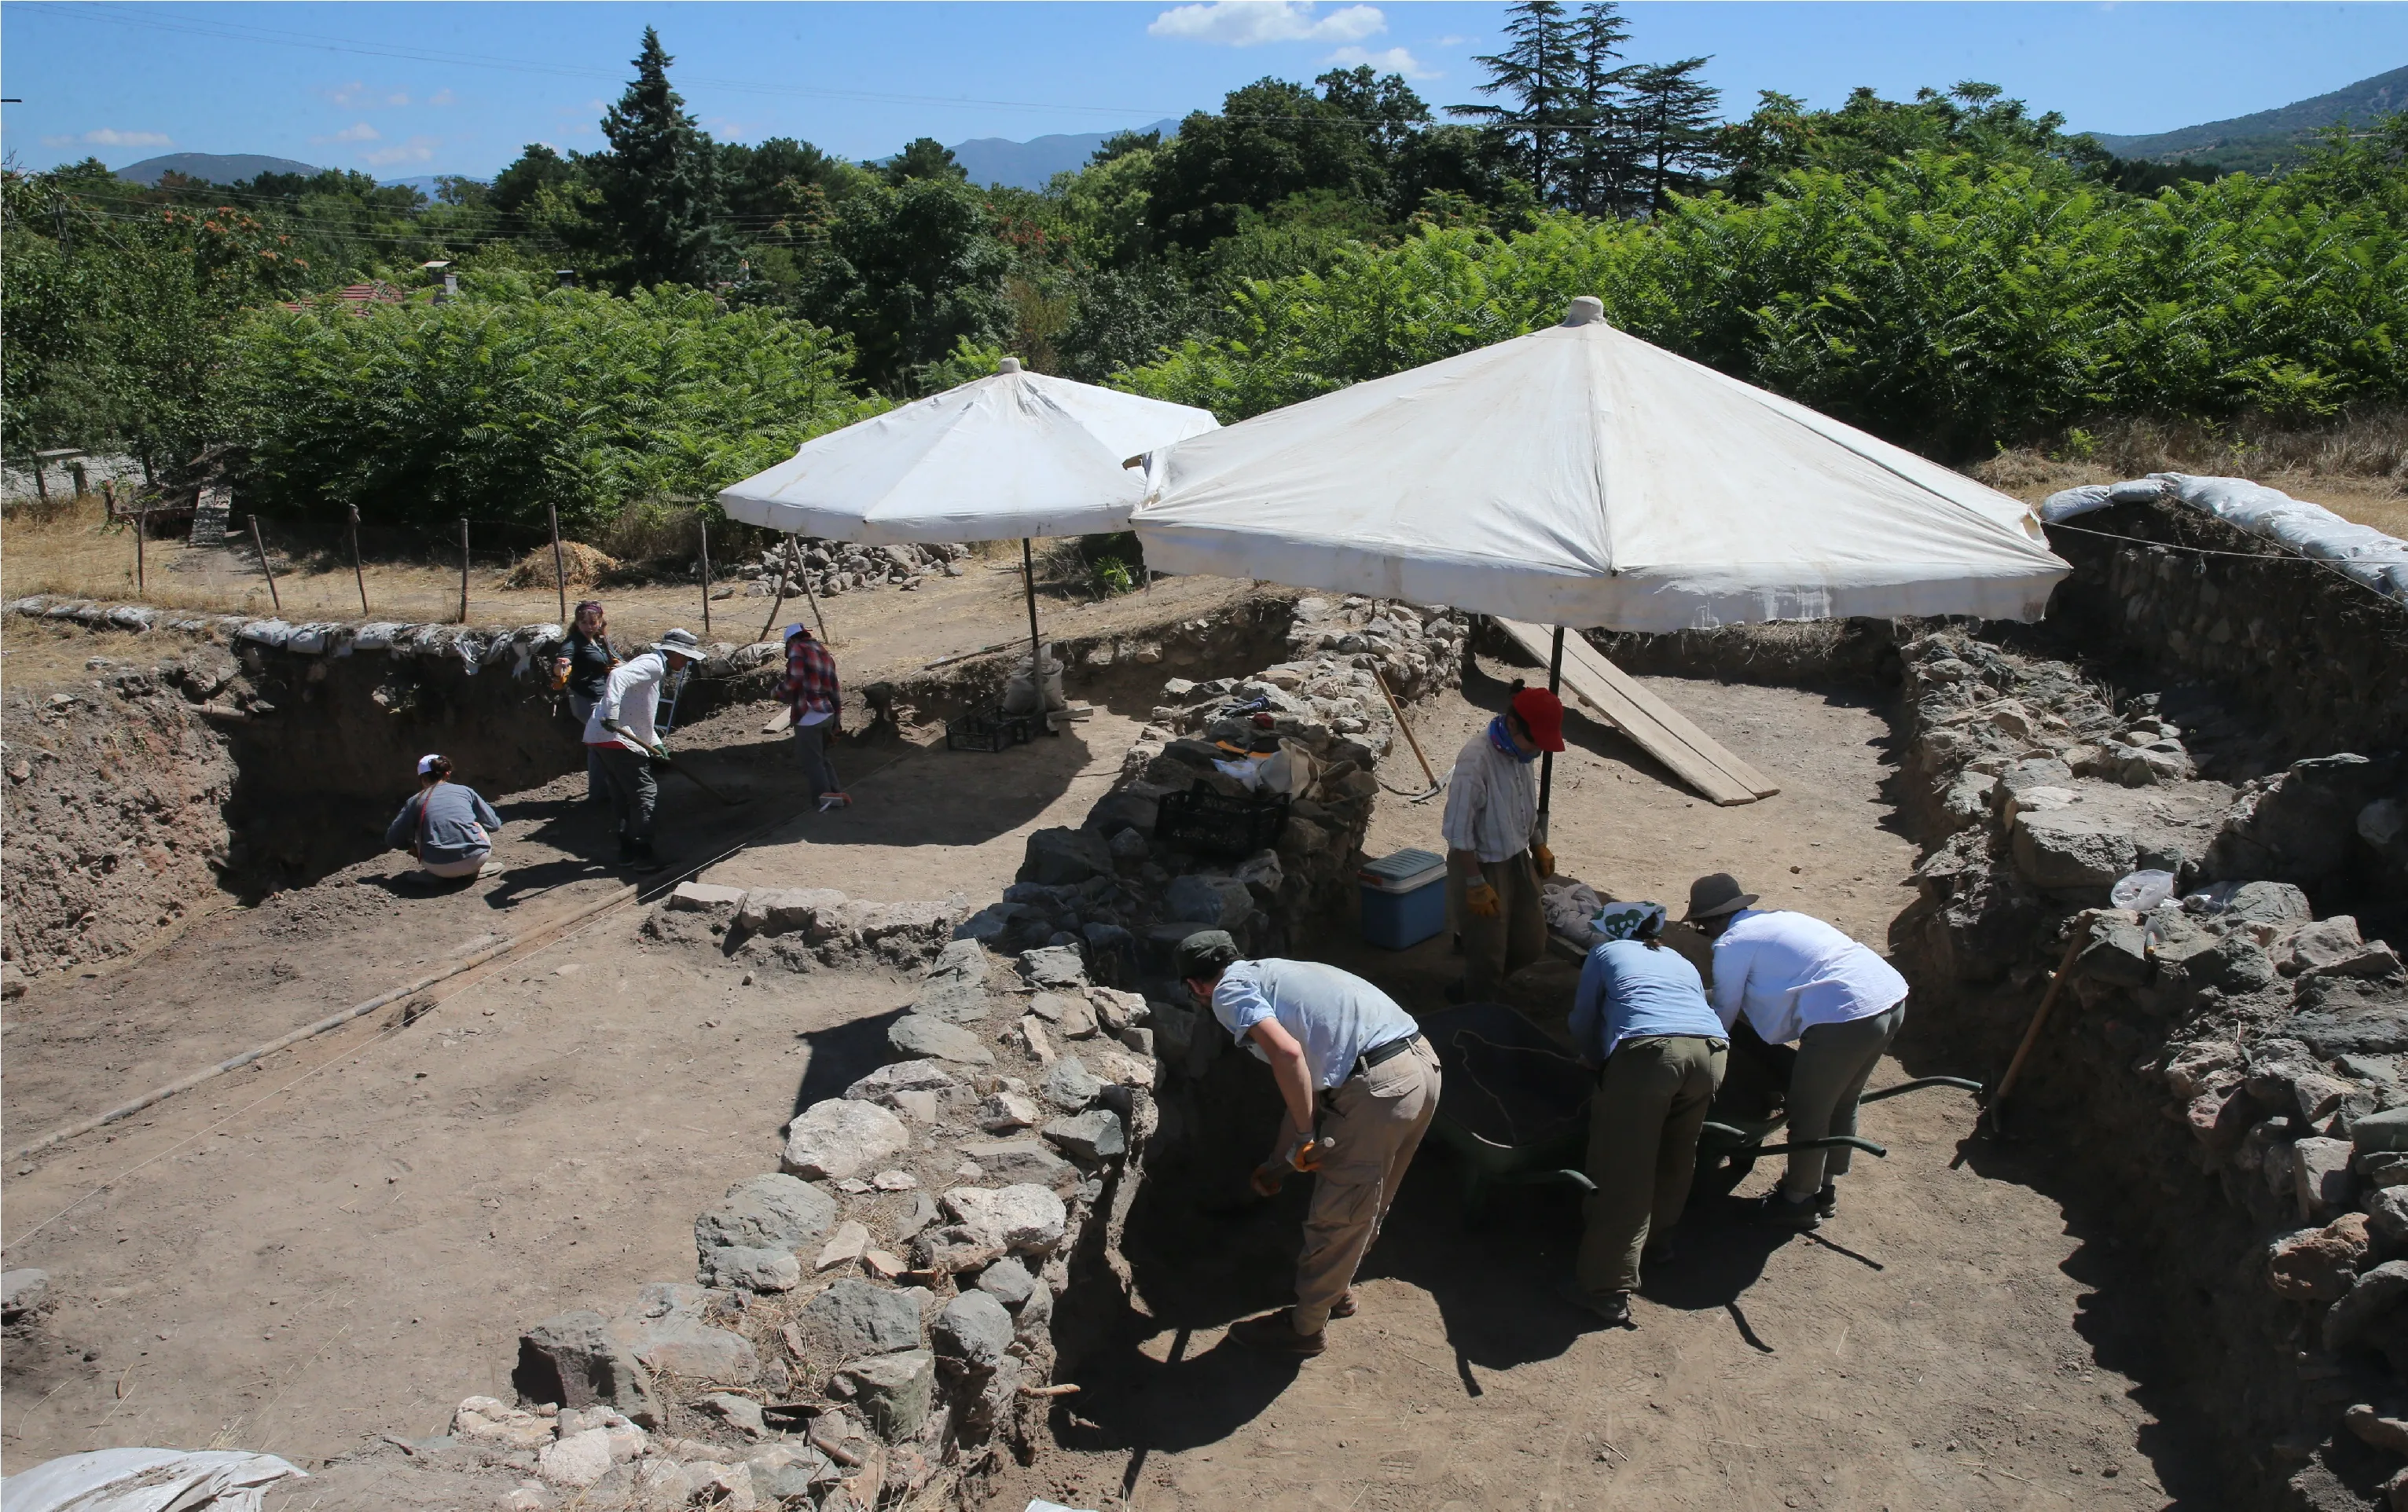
x,y
2224,1068
2318,657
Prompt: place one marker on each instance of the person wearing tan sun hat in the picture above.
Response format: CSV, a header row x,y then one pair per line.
x,y
1495,856
1797,979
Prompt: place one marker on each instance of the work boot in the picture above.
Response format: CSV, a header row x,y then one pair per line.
x,y
1612,1308
1827,1202
1343,1307
1778,1208
643,860
1275,1334
1659,1252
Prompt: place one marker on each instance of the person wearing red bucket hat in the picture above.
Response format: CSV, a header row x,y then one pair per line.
x,y
1494,860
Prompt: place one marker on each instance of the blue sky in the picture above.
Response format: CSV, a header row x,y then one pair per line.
x,y
404,90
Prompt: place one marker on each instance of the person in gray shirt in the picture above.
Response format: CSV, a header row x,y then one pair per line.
x,y
448,827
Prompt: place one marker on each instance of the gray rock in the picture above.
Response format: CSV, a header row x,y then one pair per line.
x,y
1057,968
960,959
1033,1324
975,1328
767,1212
789,910
793,1481
1071,1016
2321,1178
1117,1009
1096,1136
1008,1282
838,1137
2376,1293
921,1212
740,1413
2064,851
2351,1016
1263,875
958,1249
573,1359
1207,902
2117,951
1027,1218
2387,1217
956,1000
1020,1160
685,1345
22,1292
2236,966
1131,845
990,925
1004,1112
918,1035
1967,800
1064,857
2322,944
749,1268
881,1084
2266,903
855,1316
1069,1085
2380,1133
895,1391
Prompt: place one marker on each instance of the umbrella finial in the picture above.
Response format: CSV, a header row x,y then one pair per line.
x,y
1010,364
1586,311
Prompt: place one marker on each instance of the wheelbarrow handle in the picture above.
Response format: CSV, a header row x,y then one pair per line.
x,y
1960,1083
1828,1142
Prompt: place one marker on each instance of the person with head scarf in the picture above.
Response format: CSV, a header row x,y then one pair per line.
x,y
1795,977
583,668
621,732
448,827
1359,1084
1494,855
1639,1017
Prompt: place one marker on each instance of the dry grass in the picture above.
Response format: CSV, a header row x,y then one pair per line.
x,y
579,562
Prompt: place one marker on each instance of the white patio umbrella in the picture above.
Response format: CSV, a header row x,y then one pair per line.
x,y
1578,475
1016,454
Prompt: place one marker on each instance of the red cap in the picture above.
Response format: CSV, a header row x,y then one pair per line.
x,y
1542,712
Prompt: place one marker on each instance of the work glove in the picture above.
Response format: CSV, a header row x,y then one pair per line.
x,y
1304,1155
660,751
1545,859
1481,900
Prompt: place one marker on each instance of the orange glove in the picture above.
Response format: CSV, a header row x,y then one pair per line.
x,y
1545,859
1481,900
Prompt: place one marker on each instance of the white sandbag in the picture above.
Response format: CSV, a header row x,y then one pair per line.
x,y
148,1481
2363,553
1020,694
2067,503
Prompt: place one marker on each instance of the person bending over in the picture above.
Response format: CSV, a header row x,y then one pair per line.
x,y
448,827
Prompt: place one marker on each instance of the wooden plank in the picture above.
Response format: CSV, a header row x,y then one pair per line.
x,y
1658,729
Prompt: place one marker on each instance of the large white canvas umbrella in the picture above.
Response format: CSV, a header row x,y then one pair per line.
x,y
1017,454
1579,475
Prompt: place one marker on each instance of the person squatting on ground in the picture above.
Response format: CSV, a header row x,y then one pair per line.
x,y
1796,977
1640,1013
1494,859
621,732
1359,1083
583,668
810,691
447,826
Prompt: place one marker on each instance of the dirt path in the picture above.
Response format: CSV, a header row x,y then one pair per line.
x,y
345,1241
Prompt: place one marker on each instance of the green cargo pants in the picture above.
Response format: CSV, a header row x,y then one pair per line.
x,y
1642,1150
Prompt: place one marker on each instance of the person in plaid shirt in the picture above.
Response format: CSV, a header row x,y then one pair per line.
x,y
810,692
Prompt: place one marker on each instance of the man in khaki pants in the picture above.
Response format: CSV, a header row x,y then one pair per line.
x,y
1360,1085
1494,856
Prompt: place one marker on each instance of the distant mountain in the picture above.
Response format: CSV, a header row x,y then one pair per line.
x,y
214,168
2270,138
1032,164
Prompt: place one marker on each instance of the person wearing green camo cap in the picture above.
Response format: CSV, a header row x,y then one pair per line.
x,y
1359,1084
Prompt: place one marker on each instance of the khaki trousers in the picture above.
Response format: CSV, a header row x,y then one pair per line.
x,y
1834,1063
1642,1150
1375,1121
1495,949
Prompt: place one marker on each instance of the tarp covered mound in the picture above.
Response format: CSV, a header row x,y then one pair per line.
x,y
1578,475
2361,552
1012,455
146,1480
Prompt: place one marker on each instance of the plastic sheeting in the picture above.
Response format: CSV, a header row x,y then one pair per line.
x,y
1001,458
146,1480
2361,552
1579,475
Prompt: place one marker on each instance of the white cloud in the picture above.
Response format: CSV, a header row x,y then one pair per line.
x,y
1393,61
357,131
356,96
110,136
416,149
442,97
1245,23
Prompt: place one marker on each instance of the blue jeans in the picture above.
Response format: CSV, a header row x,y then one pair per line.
x,y
810,748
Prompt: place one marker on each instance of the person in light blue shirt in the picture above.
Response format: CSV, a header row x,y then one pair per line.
x,y
1359,1084
1640,1015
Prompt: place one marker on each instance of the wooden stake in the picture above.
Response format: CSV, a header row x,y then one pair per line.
x,y
261,547
141,529
464,571
2039,1019
559,573
704,521
777,600
1407,730
359,575
803,571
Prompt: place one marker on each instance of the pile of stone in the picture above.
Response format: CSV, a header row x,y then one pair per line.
x,y
2218,1005
1418,648
834,567
804,928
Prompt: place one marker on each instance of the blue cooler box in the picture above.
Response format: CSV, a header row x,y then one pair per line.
x,y
1404,898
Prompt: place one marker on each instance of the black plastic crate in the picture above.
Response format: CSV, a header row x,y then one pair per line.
x,y
992,730
1209,823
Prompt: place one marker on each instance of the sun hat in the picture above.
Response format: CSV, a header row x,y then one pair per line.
x,y
1628,921
427,763
1543,713
1711,897
792,631
682,642
1206,953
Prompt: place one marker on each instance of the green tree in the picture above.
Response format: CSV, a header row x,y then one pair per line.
x,y
1672,129
1539,72
911,271
1272,139
659,181
924,157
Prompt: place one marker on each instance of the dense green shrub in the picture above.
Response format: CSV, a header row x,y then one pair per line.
x,y
492,408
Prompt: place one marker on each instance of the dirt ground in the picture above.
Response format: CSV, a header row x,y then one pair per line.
x,y
344,1241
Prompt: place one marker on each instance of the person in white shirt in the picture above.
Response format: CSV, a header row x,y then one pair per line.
x,y
1359,1084
620,731
1795,977
1494,855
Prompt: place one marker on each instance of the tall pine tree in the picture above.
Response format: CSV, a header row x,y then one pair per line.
x,y
1672,129
660,180
1539,72
1600,156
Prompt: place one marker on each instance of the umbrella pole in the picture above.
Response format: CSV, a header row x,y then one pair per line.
x,y
1547,762
1036,651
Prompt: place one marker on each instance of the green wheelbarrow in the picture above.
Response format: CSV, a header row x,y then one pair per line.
x,y
1728,1151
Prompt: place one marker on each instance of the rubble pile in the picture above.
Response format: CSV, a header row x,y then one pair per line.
x,y
832,567
2219,1021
